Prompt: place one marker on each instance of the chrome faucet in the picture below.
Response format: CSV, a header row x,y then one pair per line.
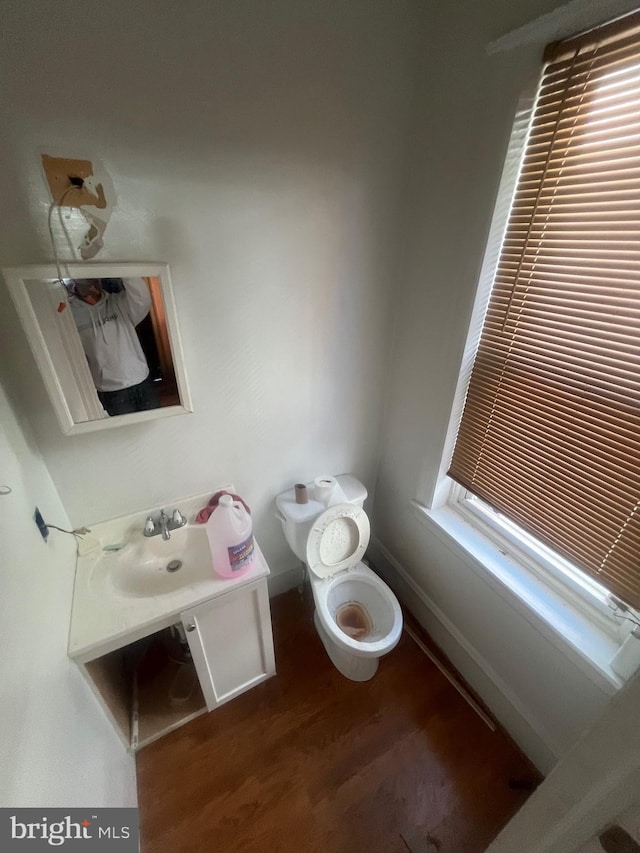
x,y
163,524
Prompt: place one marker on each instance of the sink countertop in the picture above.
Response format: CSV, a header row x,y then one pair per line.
x,y
102,622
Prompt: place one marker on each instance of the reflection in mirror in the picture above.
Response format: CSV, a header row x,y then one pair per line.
x,y
107,345
123,333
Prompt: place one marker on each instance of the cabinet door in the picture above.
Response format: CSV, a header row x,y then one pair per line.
x,y
231,642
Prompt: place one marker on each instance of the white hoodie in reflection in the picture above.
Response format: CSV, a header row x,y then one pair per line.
x,y
108,334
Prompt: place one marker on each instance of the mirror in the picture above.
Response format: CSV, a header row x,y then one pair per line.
x,y
106,340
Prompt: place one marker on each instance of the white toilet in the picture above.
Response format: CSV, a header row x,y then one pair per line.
x,y
357,616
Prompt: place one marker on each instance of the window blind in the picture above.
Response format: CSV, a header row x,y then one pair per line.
x,y
550,431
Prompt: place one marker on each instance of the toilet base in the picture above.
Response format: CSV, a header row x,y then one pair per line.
x,y
353,667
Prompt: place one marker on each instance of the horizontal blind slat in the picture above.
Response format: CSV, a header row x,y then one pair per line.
x,y
533,434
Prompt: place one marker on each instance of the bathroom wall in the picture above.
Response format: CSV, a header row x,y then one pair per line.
x,y
629,821
594,786
465,105
255,147
57,747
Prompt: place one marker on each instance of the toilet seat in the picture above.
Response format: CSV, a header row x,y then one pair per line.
x,y
337,540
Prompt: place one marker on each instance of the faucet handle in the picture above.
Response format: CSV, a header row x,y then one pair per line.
x,y
149,526
178,518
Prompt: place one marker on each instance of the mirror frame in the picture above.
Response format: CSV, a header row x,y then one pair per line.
x,y
16,278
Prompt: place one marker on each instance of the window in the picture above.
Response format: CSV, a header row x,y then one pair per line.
x,y
549,437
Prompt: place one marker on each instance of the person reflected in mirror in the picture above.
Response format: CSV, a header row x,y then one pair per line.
x,y
106,312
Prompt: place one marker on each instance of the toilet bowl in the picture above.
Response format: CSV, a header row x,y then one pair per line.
x,y
357,616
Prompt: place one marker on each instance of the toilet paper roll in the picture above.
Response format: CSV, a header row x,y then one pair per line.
x,y
328,491
323,488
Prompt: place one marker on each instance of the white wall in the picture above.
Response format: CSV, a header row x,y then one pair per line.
x,y
256,148
465,106
593,786
57,747
629,821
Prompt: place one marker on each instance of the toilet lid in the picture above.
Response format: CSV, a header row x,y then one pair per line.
x,y
338,539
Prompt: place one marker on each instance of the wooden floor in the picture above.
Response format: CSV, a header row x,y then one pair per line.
x,y
309,761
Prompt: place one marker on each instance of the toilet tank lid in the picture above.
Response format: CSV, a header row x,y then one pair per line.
x,y
292,511
354,491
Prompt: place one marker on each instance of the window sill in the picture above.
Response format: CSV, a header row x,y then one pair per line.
x,y
552,614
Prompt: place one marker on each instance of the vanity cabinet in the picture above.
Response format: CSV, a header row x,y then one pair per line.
x,y
231,642
231,649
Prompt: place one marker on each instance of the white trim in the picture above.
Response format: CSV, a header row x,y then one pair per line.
x,y
128,420
433,494
569,629
279,582
544,753
456,683
575,17
577,587
73,368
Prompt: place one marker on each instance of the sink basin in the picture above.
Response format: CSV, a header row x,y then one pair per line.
x,y
150,566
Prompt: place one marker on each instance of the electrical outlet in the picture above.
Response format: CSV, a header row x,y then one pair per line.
x,y
42,527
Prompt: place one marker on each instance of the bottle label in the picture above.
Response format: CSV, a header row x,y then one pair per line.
x,y
241,555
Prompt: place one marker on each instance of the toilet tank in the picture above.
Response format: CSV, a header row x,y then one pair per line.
x,y
297,519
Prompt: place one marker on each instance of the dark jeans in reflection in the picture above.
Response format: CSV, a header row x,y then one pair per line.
x,y
137,398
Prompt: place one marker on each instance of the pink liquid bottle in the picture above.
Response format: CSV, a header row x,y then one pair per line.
x,y
230,535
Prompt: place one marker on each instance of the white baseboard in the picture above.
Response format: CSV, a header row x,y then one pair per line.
x,y
473,667
279,582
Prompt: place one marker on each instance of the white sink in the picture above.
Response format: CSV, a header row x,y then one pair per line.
x,y
122,595
149,567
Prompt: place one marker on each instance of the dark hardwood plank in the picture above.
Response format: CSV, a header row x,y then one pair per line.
x,y
309,761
